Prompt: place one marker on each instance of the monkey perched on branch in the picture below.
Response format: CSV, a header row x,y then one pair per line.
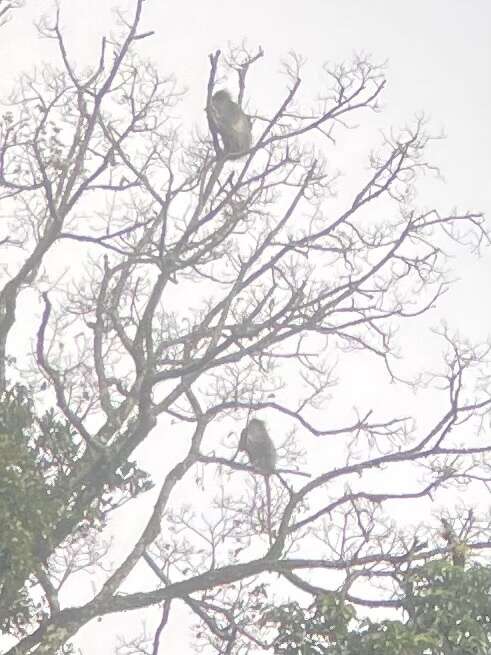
x,y
231,123
256,442
260,449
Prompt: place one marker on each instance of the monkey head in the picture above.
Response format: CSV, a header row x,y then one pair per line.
x,y
221,98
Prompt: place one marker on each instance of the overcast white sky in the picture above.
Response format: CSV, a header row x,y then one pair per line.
x,y
438,54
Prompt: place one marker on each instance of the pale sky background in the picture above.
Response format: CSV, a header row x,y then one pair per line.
x,y
438,54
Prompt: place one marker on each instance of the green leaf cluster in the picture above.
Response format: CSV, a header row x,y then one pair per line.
x,y
447,612
30,504
38,498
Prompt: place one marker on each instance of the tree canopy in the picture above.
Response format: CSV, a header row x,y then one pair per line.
x,y
156,294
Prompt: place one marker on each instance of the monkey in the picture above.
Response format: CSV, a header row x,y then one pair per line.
x,y
231,123
256,442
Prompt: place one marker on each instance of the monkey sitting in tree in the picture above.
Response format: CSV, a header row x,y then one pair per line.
x,y
232,124
256,442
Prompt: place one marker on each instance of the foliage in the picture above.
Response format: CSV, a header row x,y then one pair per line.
x,y
310,631
447,610
38,454
28,509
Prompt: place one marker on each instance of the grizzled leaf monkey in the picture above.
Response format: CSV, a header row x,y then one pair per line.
x,y
258,445
231,123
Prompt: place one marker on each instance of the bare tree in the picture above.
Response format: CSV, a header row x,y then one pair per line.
x,y
201,291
